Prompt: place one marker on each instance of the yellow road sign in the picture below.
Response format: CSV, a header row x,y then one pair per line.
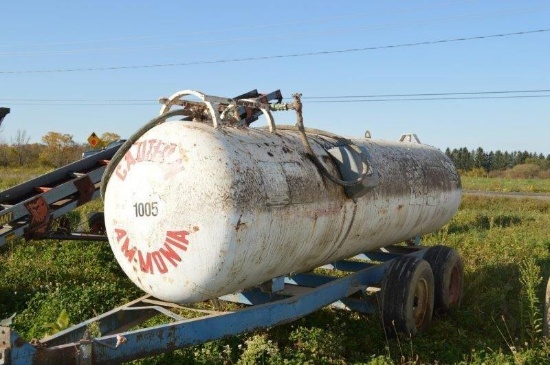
x,y
94,140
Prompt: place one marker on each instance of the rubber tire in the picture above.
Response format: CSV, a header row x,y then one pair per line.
x,y
96,223
448,271
407,280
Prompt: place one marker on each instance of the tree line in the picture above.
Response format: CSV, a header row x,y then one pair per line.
x,y
499,163
56,149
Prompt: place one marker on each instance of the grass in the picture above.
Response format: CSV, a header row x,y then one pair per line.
x,y
504,243
506,185
13,176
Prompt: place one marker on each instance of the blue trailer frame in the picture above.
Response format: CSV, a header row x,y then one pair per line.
x,y
291,298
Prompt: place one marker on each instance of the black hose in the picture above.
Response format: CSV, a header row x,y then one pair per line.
x,y
311,154
297,106
125,147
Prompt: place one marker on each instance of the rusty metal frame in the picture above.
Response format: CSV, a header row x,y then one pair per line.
x,y
54,194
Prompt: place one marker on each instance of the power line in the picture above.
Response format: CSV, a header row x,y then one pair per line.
x,y
428,94
83,103
329,101
293,55
261,26
81,100
138,101
218,42
431,99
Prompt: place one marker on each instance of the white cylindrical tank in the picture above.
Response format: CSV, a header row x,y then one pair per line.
x,y
194,212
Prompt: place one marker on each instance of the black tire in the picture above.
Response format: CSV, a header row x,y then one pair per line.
x,y
448,272
96,223
407,296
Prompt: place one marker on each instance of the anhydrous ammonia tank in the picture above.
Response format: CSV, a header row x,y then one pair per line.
x,y
194,212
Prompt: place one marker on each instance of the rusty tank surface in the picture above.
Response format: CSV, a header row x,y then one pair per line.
x,y
207,206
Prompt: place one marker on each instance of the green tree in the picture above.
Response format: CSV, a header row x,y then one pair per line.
x,y
20,147
108,137
499,161
60,149
465,159
480,159
5,151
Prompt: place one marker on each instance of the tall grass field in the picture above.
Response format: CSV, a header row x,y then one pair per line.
x,y
504,243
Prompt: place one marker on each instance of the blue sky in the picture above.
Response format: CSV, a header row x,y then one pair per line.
x,y
65,35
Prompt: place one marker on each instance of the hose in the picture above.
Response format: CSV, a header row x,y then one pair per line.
x,y
309,151
297,106
125,147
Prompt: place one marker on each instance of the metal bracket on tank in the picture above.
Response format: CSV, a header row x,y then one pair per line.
x,y
241,110
349,161
274,285
175,99
409,137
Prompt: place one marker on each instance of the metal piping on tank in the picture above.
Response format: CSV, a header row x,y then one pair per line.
x,y
211,106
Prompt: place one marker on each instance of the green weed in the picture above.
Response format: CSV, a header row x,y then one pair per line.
x,y
62,322
505,184
504,244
